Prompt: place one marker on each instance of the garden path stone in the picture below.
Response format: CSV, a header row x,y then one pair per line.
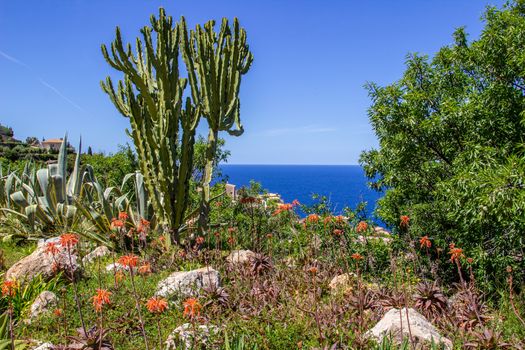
x,y
184,335
423,332
98,252
41,263
188,283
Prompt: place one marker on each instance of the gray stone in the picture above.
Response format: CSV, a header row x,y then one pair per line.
x,y
188,283
238,257
98,252
423,332
342,284
187,336
44,346
43,303
41,263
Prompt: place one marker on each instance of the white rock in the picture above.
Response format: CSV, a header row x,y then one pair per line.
x,y
98,252
363,239
43,302
184,336
238,257
41,263
423,332
343,283
44,346
188,283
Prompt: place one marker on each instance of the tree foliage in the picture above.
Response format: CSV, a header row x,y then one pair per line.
x,y
451,137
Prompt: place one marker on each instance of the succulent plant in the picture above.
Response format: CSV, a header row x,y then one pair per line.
x,y
430,300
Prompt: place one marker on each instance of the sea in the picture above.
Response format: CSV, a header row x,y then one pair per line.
x,y
344,185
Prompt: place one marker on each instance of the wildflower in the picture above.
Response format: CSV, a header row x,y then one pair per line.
x,y
327,220
339,219
119,276
231,240
313,270
123,216
157,305
338,232
362,226
199,240
216,234
145,269
231,229
68,240
100,299
282,207
57,312
455,253
470,260
425,242
130,261
51,248
269,236
312,218
144,226
404,221
182,253
356,256
9,288
192,308
116,223
218,204
295,203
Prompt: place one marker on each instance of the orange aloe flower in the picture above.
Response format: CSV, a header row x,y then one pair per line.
x,y
338,232
68,240
199,240
130,261
455,253
192,308
57,312
123,216
295,203
51,248
362,226
100,299
404,221
116,223
282,207
145,268
425,242
312,218
339,219
313,270
327,220
9,288
356,256
157,305
144,226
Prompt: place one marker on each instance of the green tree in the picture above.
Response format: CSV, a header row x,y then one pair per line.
x,y
451,134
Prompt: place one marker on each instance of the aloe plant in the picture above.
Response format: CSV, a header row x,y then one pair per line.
x,y
47,198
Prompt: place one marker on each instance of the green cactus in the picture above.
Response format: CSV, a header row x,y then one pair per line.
x,y
215,64
151,96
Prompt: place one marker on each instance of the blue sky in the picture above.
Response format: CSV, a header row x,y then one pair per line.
x,y
303,101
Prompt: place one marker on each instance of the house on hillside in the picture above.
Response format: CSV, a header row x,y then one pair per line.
x,y
52,144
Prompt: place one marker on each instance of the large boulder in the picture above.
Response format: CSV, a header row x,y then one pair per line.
x,y
187,336
188,283
42,263
397,326
98,252
43,303
239,257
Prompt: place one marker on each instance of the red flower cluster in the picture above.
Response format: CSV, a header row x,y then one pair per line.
x,y
455,253
68,240
338,232
157,305
100,299
295,203
144,226
192,308
425,242
312,219
123,216
404,221
356,256
51,248
362,226
9,288
145,269
282,208
116,223
199,240
130,261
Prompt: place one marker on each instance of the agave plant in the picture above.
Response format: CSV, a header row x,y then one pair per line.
x,y
47,200
430,300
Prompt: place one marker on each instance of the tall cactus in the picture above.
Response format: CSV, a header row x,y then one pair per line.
x,y
215,64
151,96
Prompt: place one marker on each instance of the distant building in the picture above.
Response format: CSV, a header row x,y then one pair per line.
x,y
52,144
230,191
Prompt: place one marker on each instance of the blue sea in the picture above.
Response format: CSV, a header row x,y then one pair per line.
x,y
344,185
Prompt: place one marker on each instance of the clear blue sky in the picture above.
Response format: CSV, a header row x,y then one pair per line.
x,y
303,101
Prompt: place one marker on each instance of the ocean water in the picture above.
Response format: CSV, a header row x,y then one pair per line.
x,y
344,185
